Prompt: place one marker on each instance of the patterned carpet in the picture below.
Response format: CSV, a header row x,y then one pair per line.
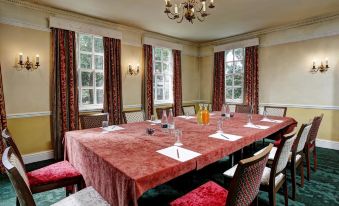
x,y
323,189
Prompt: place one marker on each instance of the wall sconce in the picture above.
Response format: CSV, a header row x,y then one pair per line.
x,y
320,68
28,64
133,71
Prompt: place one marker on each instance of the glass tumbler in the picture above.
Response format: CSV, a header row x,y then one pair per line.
x,y
178,135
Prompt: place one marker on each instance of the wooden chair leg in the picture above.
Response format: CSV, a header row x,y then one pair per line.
x,y
293,177
17,203
301,166
271,196
315,158
286,192
308,164
255,201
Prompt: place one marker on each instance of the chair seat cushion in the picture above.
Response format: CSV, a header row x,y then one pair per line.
x,y
53,173
210,194
86,197
264,179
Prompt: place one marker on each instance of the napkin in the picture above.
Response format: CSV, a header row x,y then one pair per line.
x,y
223,136
256,126
158,121
187,117
112,128
271,120
184,154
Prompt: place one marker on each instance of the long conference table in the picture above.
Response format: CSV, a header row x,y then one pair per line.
x,y
122,165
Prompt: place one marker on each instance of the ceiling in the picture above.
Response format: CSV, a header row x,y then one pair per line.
x,y
229,18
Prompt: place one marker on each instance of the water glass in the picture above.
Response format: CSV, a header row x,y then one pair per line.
x,y
249,116
153,118
104,124
220,126
265,113
187,115
178,135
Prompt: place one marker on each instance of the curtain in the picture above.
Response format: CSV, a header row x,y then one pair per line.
x,y
3,120
113,92
65,107
219,81
252,78
148,101
177,85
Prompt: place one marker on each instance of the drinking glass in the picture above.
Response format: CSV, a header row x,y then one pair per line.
x,y
178,135
265,113
219,126
153,118
187,115
249,116
104,124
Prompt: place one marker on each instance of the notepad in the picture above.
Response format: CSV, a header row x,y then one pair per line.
x,y
256,126
187,117
224,136
112,128
179,153
158,121
271,120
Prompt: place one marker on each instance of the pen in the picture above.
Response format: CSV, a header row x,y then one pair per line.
x,y
178,153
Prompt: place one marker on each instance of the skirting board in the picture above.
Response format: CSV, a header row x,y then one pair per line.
x,y
327,144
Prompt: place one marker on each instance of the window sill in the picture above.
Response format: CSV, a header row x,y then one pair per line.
x,y
90,109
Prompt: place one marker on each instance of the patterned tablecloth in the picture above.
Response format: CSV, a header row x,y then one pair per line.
x,y
122,165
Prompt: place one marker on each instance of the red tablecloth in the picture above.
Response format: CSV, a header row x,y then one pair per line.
x,y
122,165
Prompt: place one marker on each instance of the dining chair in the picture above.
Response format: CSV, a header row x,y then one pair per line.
x,y
275,111
57,175
274,177
89,121
311,145
189,110
160,109
243,189
20,181
134,116
242,108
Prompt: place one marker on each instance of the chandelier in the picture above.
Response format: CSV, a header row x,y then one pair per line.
x,y
190,9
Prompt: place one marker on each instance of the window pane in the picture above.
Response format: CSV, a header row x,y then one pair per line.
x,y
238,80
229,55
87,78
238,54
98,45
238,67
229,81
229,68
158,67
160,93
99,62
167,93
87,96
85,43
99,78
159,80
100,96
237,93
167,79
165,68
85,61
157,54
229,93
165,55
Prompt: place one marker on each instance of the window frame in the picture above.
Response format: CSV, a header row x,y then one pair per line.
x,y
233,74
93,53
164,75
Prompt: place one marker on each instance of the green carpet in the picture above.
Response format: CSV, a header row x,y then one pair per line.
x,y
322,190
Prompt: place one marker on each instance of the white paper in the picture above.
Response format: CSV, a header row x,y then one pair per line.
x,y
271,120
256,126
158,121
184,154
112,128
227,137
187,117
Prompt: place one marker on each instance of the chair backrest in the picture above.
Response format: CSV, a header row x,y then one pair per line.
x,y
276,111
189,110
7,137
247,178
17,176
88,121
160,109
134,116
315,128
301,139
282,155
243,108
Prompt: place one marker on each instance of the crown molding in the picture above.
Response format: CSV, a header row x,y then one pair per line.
x,y
18,23
301,106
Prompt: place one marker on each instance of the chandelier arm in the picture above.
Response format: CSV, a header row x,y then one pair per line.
x,y
168,15
201,19
182,18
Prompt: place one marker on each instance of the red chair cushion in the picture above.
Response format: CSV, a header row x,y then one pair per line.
x,y
210,194
277,142
52,174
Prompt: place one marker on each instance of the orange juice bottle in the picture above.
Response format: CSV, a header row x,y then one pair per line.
x,y
205,116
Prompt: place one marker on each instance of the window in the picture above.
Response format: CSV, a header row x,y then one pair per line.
x,y
234,75
90,53
162,76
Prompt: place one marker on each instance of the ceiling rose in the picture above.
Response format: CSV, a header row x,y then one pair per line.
x,y
190,9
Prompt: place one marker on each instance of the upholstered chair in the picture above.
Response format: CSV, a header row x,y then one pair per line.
x,y
243,190
57,175
275,111
242,108
134,116
274,177
20,181
89,121
188,110
160,109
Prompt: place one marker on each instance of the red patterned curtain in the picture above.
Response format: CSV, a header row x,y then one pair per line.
x,y
3,120
252,78
65,107
113,93
148,101
177,85
218,81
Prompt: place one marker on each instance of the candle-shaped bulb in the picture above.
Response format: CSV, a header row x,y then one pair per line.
x,y
211,1
192,10
326,59
37,59
176,9
20,57
204,6
314,63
